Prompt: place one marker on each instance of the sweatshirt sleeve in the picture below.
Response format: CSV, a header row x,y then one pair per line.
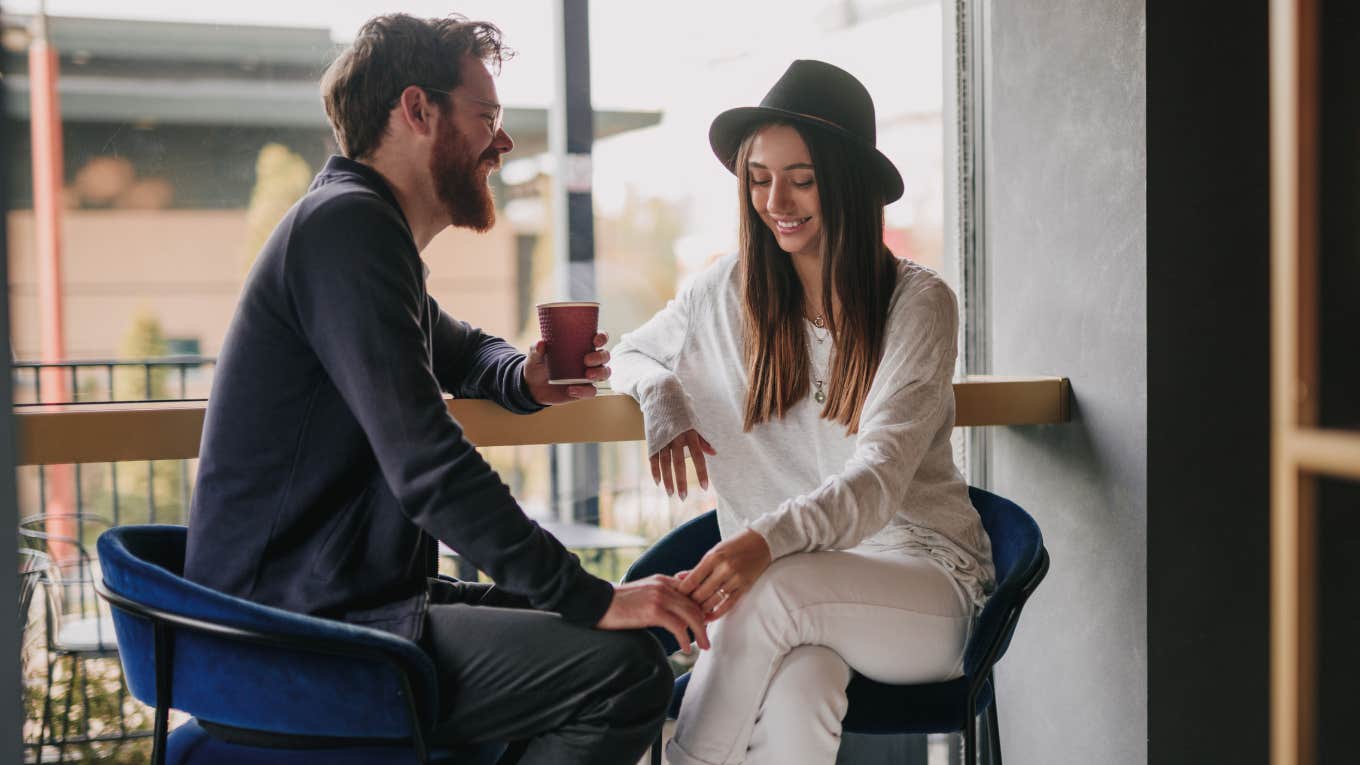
x,y
357,291
644,365
909,406
472,364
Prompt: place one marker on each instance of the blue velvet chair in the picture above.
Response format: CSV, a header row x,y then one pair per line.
x,y
265,686
1021,563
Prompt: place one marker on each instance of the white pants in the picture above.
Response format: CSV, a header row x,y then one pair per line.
x,y
772,688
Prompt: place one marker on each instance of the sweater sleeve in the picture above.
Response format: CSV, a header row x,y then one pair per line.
x,y
355,283
909,404
644,364
472,364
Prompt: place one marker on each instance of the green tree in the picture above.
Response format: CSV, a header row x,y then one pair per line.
x,y
145,339
281,178
161,484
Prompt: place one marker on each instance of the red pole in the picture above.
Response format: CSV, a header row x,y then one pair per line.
x,y
45,123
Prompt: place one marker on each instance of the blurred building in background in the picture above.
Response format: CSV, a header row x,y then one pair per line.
x,y
183,145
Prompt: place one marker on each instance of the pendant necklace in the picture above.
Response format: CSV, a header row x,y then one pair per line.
x,y
818,323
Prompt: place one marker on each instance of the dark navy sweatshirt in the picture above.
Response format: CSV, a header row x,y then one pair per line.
x,y
329,463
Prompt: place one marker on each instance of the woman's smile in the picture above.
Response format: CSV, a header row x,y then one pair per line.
x,y
790,225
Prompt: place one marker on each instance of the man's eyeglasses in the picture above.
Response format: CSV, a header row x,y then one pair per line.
x,y
494,111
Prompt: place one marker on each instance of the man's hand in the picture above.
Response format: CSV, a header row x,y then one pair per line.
x,y
726,572
536,374
656,602
668,464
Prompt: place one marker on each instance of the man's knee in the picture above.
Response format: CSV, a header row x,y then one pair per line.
x,y
634,657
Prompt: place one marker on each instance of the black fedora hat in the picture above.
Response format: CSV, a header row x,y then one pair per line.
x,y
819,95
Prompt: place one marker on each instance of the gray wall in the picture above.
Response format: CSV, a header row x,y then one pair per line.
x,y
1067,241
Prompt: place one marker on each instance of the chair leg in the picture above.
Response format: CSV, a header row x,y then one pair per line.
x,y
656,750
970,741
122,699
993,736
66,716
84,696
47,709
164,666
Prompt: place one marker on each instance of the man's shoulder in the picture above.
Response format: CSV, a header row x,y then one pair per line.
x,y
345,203
346,223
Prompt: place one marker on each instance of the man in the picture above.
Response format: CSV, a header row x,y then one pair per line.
x,y
330,465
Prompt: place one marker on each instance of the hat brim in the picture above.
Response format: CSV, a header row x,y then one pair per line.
x,y
732,126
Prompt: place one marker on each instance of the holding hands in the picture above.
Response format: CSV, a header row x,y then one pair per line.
x,y
725,573
682,605
536,374
656,602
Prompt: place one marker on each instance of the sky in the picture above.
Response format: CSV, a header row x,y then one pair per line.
x,y
689,60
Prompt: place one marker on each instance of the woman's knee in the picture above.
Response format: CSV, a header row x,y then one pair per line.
x,y
811,678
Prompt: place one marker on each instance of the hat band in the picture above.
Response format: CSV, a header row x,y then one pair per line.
x,y
822,120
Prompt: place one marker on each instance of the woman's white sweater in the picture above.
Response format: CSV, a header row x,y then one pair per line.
x,y
801,482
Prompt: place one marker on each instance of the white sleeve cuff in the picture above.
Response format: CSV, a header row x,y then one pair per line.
x,y
665,413
779,532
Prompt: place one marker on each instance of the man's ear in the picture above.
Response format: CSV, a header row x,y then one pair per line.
x,y
415,110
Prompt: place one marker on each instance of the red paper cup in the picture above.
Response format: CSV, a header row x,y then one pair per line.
x,y
569,329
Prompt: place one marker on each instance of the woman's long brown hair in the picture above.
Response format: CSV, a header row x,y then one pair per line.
x,y
856,267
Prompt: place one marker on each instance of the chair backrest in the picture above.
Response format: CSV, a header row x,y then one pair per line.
x,y
1021,563
681,548
71,570
33,566
238,663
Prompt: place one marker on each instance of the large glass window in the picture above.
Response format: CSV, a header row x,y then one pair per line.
x,y
188,129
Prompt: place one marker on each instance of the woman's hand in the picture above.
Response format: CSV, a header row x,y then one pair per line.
x,y
726,573
668,464
536,374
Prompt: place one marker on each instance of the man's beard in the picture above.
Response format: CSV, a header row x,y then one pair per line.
x,y
461,183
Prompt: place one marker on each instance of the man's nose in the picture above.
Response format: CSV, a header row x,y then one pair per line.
x,y
503,143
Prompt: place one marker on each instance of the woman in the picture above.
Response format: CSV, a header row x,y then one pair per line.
x,y
814,369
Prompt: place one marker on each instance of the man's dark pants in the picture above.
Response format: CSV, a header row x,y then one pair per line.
x,y
570,693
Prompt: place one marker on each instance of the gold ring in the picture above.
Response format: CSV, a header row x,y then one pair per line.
x,y
722,593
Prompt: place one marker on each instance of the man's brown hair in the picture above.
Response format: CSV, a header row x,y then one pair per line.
x,y
391,53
